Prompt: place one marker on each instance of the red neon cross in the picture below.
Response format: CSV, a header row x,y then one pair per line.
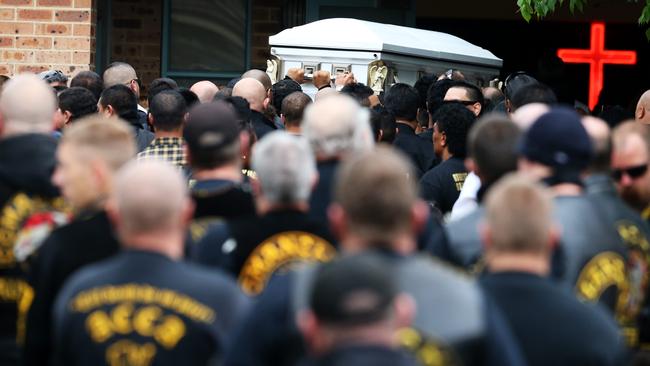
x,y
596,57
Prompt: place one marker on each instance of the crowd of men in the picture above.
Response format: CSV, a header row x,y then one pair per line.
x,y
251,224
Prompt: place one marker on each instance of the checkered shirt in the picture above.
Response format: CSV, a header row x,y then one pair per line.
x,y
168,149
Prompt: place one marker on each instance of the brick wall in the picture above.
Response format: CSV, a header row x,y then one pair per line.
x,y
136,36
39,35
266,21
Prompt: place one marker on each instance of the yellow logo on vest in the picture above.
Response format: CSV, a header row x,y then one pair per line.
x,y
141,311
13,216
278,252
459,180
426,350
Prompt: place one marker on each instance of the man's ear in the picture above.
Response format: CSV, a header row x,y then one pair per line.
x,y
67,115
266,102
256,187
554,236
150,119
113,215
420,213
308,327
470,165
187,213
283,119
639,113
476,108
405,309
100,173
337,220
486,235
109,111
443,139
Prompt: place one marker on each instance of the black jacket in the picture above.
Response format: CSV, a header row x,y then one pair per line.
x,y
418,150
87,239
261,124
28,200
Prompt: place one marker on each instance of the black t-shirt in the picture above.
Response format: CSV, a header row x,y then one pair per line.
x,y
551,325
253,249
441,185
87,239
143,308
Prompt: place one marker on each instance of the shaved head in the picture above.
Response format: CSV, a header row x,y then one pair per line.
x,y
600,134
158,207
260,76
526,115
119,73
205,90
27,105
251,90
642,113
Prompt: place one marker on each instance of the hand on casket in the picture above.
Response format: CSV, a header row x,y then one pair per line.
x,y
296,74
344,78
321,79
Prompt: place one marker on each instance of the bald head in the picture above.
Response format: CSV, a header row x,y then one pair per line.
x,y
337,125
260,76
600,134
526,115
253,91
119,73
158,208
518,217
205,90
642,113
27,105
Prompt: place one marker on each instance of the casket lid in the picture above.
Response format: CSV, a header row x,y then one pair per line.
x,y
360,35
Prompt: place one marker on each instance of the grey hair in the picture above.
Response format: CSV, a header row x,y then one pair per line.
x,y
336,126
285,167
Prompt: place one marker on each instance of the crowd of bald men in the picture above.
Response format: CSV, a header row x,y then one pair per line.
x,y
319,222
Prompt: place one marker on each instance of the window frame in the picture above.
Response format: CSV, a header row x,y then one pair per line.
x,y
189,74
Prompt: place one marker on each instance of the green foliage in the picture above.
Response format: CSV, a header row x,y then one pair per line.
x,y
542,8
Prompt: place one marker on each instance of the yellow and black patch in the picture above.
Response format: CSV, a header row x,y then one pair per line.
x,y
279,252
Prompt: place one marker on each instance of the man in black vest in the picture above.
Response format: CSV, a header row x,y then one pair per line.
x,y
30,205
145,305
88,156
286,173
519,236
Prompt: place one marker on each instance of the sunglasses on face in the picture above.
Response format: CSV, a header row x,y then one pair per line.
x,y
463,102
632,172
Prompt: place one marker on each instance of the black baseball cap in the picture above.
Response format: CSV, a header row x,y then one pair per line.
x,y
559,140
353,290
210,126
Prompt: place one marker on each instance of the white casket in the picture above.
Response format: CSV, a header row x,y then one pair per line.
x,y
378,54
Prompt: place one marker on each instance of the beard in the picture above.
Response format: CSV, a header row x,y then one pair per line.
x,y
635,199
